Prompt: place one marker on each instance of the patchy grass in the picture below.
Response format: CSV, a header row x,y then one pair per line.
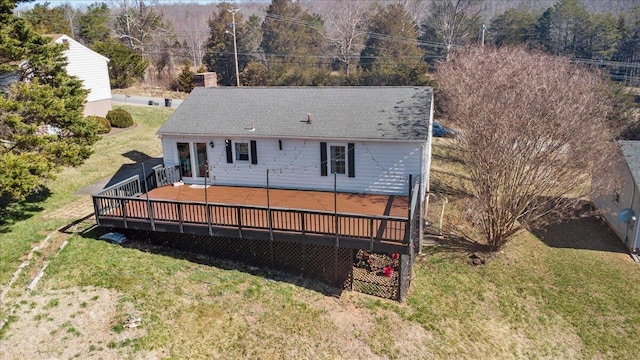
x,y
567,292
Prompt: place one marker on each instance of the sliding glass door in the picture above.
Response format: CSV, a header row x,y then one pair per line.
x,y
201,159
192,156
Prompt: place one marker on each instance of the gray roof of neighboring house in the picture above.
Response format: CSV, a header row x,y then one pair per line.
x,y
631,152
394,113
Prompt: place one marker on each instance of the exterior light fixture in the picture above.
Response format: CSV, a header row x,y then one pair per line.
x,y
211,143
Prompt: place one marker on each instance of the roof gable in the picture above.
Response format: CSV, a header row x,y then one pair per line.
x,y
631,152
61,38
383,113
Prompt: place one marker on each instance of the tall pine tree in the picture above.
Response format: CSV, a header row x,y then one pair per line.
x,y
219,56
41,123
391,55
292,42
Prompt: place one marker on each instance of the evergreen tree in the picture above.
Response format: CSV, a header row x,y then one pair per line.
x,y
220,56
543,30
125,66
601,38
94,24
628,49
512,27
46,20
292,41
41,124
185,79
569,26
391,55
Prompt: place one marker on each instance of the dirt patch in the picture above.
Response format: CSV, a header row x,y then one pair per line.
x,y
354,329
79,322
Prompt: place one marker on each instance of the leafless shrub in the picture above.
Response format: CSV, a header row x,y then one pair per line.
x,y
532,130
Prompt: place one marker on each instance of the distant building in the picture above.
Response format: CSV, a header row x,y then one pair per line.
x,y
91,68
621,207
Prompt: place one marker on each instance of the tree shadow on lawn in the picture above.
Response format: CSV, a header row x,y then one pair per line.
x,y
12,212
587,232
136,240
452,243
446,154
447,183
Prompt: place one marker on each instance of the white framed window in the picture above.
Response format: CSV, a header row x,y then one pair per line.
x,y
242,151
338,159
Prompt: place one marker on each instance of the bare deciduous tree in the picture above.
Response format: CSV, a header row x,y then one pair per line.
x,y
137,22
191,22
345,28
454,20
532,132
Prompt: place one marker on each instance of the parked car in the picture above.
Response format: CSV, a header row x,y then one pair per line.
x,y
442,131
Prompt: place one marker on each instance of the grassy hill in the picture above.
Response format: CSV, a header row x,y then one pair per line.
x,y
568,292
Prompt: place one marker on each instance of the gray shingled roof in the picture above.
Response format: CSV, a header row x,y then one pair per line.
x,y
631,152
393,113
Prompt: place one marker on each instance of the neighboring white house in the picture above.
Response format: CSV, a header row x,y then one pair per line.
x,y
91,68
373,138
621,208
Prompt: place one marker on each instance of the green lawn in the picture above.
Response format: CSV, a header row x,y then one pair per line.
x,y
564,294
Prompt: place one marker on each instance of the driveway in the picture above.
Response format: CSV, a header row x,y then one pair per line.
x,y
144,100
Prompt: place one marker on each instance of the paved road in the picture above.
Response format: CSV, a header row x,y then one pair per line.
x,y
143,100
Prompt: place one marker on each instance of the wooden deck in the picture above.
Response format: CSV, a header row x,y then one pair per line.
x,y
359,221
362,204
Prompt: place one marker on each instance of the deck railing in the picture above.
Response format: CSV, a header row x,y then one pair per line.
x,y
166,175
124,202
241,217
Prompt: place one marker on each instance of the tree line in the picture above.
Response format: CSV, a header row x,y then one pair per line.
x,y
530,123
359,42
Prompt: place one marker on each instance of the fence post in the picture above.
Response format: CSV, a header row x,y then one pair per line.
x,y
335,208
269,215
239,216
206,200
96,209
180,220
371,234
124,213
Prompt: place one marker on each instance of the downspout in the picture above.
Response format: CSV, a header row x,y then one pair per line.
x,y
425,190
634,255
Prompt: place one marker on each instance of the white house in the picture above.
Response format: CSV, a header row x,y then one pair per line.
x,y
91,68
372,138
621,208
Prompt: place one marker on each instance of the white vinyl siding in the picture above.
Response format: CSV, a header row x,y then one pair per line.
x,y
381,167
628,198
88,66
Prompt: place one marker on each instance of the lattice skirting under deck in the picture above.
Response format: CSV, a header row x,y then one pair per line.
x,y
382,275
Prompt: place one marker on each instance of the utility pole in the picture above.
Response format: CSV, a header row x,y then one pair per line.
x,y
235,45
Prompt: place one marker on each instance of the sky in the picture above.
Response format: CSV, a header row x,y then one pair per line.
x,y
54,3
82,3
